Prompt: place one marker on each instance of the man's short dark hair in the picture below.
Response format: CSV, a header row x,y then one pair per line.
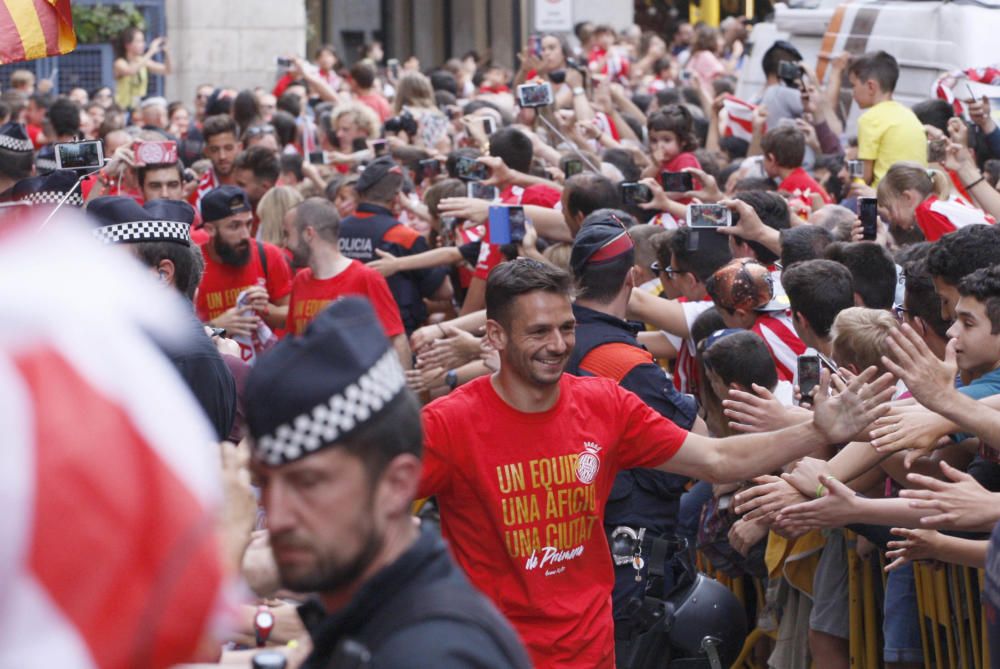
x,y
703,261
218,125
189,263
443,80
879,66
624,161
587,192
742,358
319,214
397,431
984,286
140,172
509,280
786,144
514,147
363,74
967,249
290,102
872,269
934,112
291,163
804,242
64,115
819,290
260,160
773,212
921,300
774,56
750,184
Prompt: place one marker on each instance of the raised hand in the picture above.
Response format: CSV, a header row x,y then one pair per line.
x,y
835,508
928,378
841,416
960,502
759,411
910,428
914,545
771,495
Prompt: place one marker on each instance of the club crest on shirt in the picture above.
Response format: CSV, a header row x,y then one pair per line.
x,y
589,463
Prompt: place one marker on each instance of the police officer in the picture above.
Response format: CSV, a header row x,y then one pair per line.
x,y
337,443
644,503
373,226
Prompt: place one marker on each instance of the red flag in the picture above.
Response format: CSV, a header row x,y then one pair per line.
x,y
32,29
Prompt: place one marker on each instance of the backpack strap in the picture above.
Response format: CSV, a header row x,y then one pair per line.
x,y
456,602
262,256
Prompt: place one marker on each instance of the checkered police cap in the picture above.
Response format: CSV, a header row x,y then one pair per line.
x,y
310,392
124,221
14,137
48,189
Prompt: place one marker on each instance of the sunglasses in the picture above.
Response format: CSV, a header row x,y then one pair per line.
x,y
658,269
256,130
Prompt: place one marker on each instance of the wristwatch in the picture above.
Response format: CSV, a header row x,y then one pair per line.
x,y
579,90
451,379
263,623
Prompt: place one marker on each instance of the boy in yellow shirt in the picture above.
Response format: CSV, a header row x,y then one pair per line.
x,y
888,131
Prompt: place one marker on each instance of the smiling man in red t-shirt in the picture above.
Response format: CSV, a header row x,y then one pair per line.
x,y
522,484
234,262
313,229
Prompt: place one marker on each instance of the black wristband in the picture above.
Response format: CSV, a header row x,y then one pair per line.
x,y
975,183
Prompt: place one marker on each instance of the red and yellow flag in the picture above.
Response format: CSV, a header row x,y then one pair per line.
x,y
32,29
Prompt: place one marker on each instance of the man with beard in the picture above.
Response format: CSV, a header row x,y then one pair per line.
x,y
336,442
522,488
313,229
235,262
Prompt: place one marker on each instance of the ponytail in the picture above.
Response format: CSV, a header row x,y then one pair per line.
x,y
904,176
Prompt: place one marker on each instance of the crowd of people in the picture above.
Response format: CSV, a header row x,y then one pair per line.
x,y
611,314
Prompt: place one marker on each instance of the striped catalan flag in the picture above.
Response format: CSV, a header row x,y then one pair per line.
x,y
32,29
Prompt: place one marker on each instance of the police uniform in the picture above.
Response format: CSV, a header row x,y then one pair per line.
x,y
122,220
643,503
313,392
374,227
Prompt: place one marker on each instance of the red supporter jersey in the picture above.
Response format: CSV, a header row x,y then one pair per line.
x,y
310,296
784,345
206,183
222,284
937,218
522,500
798,182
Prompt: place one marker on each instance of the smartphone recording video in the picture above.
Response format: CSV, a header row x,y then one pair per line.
x,y
380,147
283,62
80,155
573,167
470,169
808,374
676,182
489,126
506,225
855,169
480,191
635,193
428,169
154,153
709,216
534,95
868,213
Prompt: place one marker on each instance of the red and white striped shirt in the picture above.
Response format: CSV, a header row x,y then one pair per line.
x,y
785,346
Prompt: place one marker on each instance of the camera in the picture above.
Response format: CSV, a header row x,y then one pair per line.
x,y
154,153
402,123
80,155
534,95
489,125
283,62
855,169
635,193
359,144
557,76
429,168
790,73
380,147
393,64
868,213
709,216
676,182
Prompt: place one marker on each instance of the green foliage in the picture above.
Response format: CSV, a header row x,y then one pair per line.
x,y
103,23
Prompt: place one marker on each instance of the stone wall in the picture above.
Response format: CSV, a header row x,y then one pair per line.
x,y
230,42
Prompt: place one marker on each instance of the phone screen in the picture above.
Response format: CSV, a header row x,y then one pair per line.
x,y
635,193
481,192
676,182
79,155
470,169
359,144
708,216
574,166
517,224
489,126
808,369
380,147
868,213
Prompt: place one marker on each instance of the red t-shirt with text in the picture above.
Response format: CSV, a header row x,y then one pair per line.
x,y
311,295
222,284
522,500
